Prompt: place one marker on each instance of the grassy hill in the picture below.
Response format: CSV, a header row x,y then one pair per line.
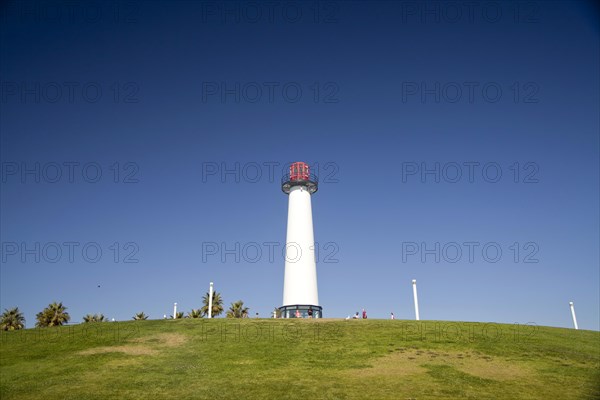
x,y
299,359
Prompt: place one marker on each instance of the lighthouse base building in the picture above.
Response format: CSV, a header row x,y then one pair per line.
x,y
301,311
300,294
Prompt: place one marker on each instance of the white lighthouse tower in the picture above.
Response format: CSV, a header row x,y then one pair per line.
x,y
300,295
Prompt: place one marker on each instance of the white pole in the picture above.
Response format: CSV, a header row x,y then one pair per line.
x,y
414,283
174,310
210,297
573,314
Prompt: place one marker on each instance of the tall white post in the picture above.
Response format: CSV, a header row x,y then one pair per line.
x,y
175,311
573,314
414,283
210,297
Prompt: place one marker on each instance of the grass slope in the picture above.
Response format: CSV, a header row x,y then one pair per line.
x,y
299,359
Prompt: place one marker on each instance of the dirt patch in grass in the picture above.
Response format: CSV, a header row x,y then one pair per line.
x,y
495,368
243,362
403,362
144,346
129,350
163,340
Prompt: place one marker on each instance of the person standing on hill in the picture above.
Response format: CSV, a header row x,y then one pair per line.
x,y
364,314
392,316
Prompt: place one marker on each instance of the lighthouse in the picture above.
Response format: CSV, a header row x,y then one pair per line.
x,y
300,295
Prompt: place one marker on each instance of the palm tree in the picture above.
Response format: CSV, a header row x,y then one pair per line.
x,y
178,315
195,313
94,318
12,320
140,316
217,304
53,315
89,318
237,310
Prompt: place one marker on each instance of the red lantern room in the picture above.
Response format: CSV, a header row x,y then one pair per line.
x,y
299,175
299,171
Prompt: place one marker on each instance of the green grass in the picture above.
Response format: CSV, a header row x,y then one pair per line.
x,y
299,359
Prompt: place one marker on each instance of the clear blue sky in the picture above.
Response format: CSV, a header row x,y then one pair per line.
x,y
371,92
